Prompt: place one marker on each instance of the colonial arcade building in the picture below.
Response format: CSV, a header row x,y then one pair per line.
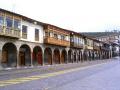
x,y
25,42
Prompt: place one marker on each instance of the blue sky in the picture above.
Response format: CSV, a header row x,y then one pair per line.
x,y
76,15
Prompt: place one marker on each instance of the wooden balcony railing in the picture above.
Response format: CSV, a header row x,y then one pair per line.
x,y
88,47
96,47
104,48
24,35
76,45
11,32
52,40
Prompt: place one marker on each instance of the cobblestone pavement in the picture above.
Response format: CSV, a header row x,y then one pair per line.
x,y
79,76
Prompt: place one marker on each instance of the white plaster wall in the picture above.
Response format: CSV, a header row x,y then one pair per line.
x,y
31,32
68,38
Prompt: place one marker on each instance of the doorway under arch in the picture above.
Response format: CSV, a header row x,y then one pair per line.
x,y
9,55
64,56
24,55
37,55
56,56
47,56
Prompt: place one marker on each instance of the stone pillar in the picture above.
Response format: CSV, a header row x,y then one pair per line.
x,y
66,57
31,58
52,56
43,57
18,61
60,56
80,56
1,60
77,57
97,55
83,55
109,55
72,57
101,54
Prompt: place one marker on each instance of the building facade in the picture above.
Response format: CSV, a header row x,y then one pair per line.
x,y
25,42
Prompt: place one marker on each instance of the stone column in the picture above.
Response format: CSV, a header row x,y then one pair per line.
x,y
66,57
0,59
77,57
60,56
43,57
31,58
102,55
109,55
83,55
18,61
52,56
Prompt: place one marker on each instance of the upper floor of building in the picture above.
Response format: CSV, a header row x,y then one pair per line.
x,y
17,26
55,35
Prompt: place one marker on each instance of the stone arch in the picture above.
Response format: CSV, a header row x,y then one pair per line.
x,y
9,55
47,56
37,55
56,56
64,56
24,55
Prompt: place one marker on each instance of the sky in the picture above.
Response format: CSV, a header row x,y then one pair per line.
x,y
76,15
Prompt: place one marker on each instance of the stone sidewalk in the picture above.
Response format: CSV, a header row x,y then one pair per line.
x,y
51,68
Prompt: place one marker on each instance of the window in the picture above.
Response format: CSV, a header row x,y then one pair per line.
x,y
9,22
36,34
46,34
59,36
1,20
56,36
16,24
51,34
62,37
24,31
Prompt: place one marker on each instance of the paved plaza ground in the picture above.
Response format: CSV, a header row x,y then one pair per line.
x,y
90,75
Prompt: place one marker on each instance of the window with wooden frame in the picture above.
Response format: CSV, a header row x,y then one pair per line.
x,y
55,36
9,22
1,20
36,34
62,37
24,31
17,24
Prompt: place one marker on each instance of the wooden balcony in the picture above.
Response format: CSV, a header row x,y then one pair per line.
x,y
104,48
9,32
52,40
96,48
88,47
76,45
24,35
